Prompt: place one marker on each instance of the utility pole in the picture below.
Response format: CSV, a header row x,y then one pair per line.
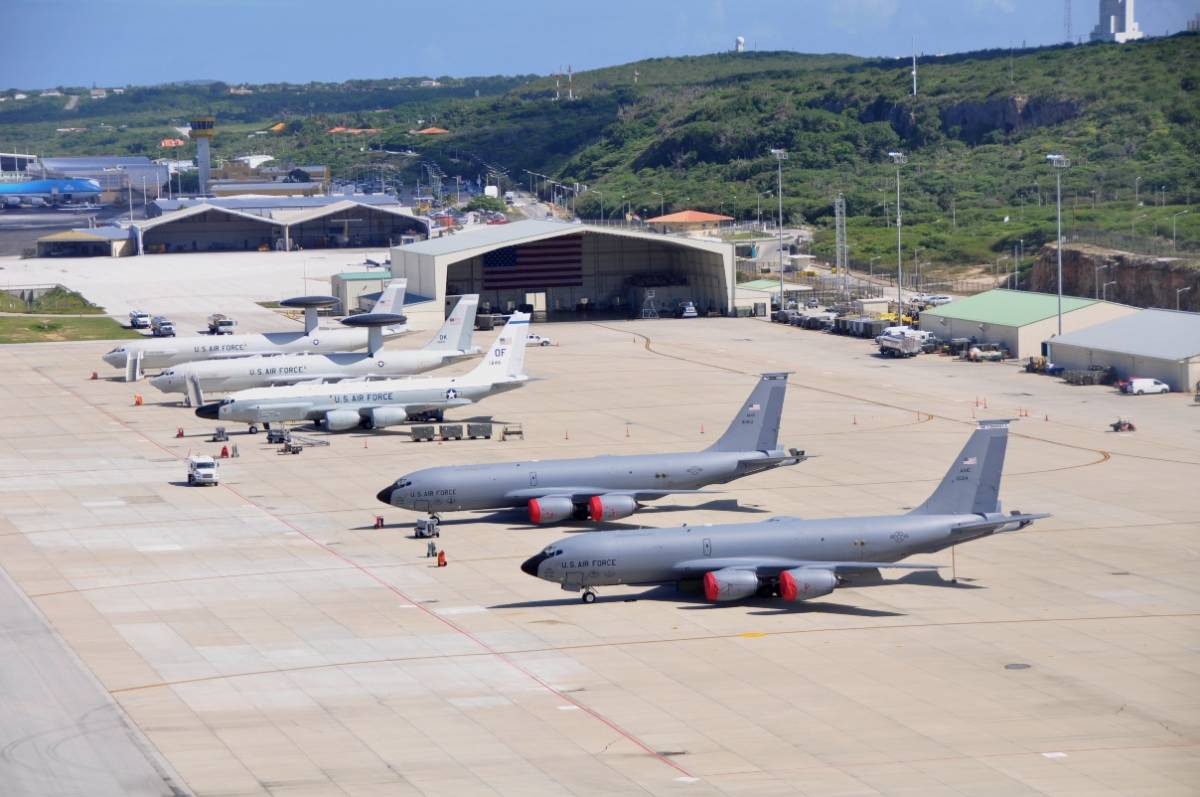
x,y
914,66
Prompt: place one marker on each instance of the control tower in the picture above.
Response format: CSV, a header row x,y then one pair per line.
x,y
203,129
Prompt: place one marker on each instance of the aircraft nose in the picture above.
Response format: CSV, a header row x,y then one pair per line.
x,y
530,566
209,411
115,359
161,382
385,495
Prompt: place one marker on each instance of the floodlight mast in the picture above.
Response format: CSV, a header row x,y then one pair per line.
x,y
780,156
898,159
1059,162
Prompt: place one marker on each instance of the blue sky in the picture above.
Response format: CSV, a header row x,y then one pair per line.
x,y
152,41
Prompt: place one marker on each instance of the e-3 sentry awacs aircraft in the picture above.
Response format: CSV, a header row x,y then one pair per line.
x,y
606,487
164,352
792,558
451,343
384,402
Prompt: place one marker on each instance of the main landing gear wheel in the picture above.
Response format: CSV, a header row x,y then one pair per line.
x,y
253,429
588,596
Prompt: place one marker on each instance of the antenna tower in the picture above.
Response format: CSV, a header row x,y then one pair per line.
x,y
570,83
914,67
839,216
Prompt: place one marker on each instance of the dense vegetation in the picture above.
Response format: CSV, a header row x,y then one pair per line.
x,y
696,131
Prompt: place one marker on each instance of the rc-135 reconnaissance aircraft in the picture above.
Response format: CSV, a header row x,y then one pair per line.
x,y
383,402
135,356
792,558
606,487
451,343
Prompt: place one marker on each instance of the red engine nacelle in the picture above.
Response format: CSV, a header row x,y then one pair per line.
x,y
730,585
611,507
550,510
802,583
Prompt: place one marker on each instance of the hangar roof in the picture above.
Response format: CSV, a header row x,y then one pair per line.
x,y
1159,334
89,234
277,202
491,235
196,210
1007,308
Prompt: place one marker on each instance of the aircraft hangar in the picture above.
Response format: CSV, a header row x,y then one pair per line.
x,y
216,226
566,269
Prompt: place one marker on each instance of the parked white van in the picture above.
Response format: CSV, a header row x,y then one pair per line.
x,y
1139,385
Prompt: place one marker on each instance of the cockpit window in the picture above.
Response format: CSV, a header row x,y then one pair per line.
x,y
550,550
226,402
404,483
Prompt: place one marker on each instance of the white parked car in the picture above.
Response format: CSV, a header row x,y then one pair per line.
x,y
535,339
938,299
1139,385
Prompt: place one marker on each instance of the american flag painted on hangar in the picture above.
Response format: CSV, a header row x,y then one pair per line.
x,y
551,263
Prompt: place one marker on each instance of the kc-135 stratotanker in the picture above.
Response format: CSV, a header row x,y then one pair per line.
x,y
791,558
606,487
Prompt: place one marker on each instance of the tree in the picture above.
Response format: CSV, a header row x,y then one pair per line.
x,y
482,202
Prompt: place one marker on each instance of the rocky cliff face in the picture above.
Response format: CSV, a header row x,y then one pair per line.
x,y
1142,281
974,120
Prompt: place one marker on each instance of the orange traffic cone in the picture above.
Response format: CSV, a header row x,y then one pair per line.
x,y
179,431
137,400
441,558
224,452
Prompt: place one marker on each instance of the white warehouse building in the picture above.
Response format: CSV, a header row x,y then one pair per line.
x,y
1158,344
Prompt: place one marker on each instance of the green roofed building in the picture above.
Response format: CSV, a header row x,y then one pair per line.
x,y
1021,320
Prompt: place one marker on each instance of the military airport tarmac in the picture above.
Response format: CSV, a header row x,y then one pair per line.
x,y
261,637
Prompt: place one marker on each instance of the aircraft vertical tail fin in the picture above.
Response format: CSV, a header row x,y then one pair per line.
x,y
972,484
506,358
456,332
392,298
756,426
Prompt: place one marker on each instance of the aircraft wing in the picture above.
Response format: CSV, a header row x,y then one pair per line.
x,y
580,494
1001,524
772,566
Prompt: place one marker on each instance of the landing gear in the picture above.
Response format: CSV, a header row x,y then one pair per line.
x,y
588,596
253,429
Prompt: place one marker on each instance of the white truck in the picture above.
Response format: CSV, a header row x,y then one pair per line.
x,y
139,319
900,344
202,470
219,324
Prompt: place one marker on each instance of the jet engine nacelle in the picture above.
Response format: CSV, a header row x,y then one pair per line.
x,y
341,420
611,507
804,583
550,510
729,584
380,417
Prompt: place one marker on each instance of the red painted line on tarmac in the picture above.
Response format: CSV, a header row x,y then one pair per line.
x,y
504,657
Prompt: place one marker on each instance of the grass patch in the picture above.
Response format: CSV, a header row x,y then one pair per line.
x,y
56,300
270,305
47,329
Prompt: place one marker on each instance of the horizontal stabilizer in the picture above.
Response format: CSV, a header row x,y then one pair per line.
x,y
1002,523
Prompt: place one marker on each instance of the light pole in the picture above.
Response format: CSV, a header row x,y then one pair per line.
x,y
1179,293
601,195
1104,290
760,196
1059,162
898,159
1135,191
662,202
1177,215
1096,279
780,156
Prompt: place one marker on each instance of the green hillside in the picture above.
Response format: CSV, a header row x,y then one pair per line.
x,y
697,130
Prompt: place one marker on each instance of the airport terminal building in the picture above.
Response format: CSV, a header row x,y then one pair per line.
x,y
569,269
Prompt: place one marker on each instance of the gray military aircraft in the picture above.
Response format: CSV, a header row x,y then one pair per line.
x,y
792,558
605,487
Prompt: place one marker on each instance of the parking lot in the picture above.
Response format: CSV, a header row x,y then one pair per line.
x,y
262,637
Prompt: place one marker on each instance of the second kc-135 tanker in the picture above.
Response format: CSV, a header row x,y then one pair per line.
x,y
452,342
791,558
135,356
606,487
385,402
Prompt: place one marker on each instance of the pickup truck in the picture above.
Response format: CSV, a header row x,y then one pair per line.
x,y
162,327
219,324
